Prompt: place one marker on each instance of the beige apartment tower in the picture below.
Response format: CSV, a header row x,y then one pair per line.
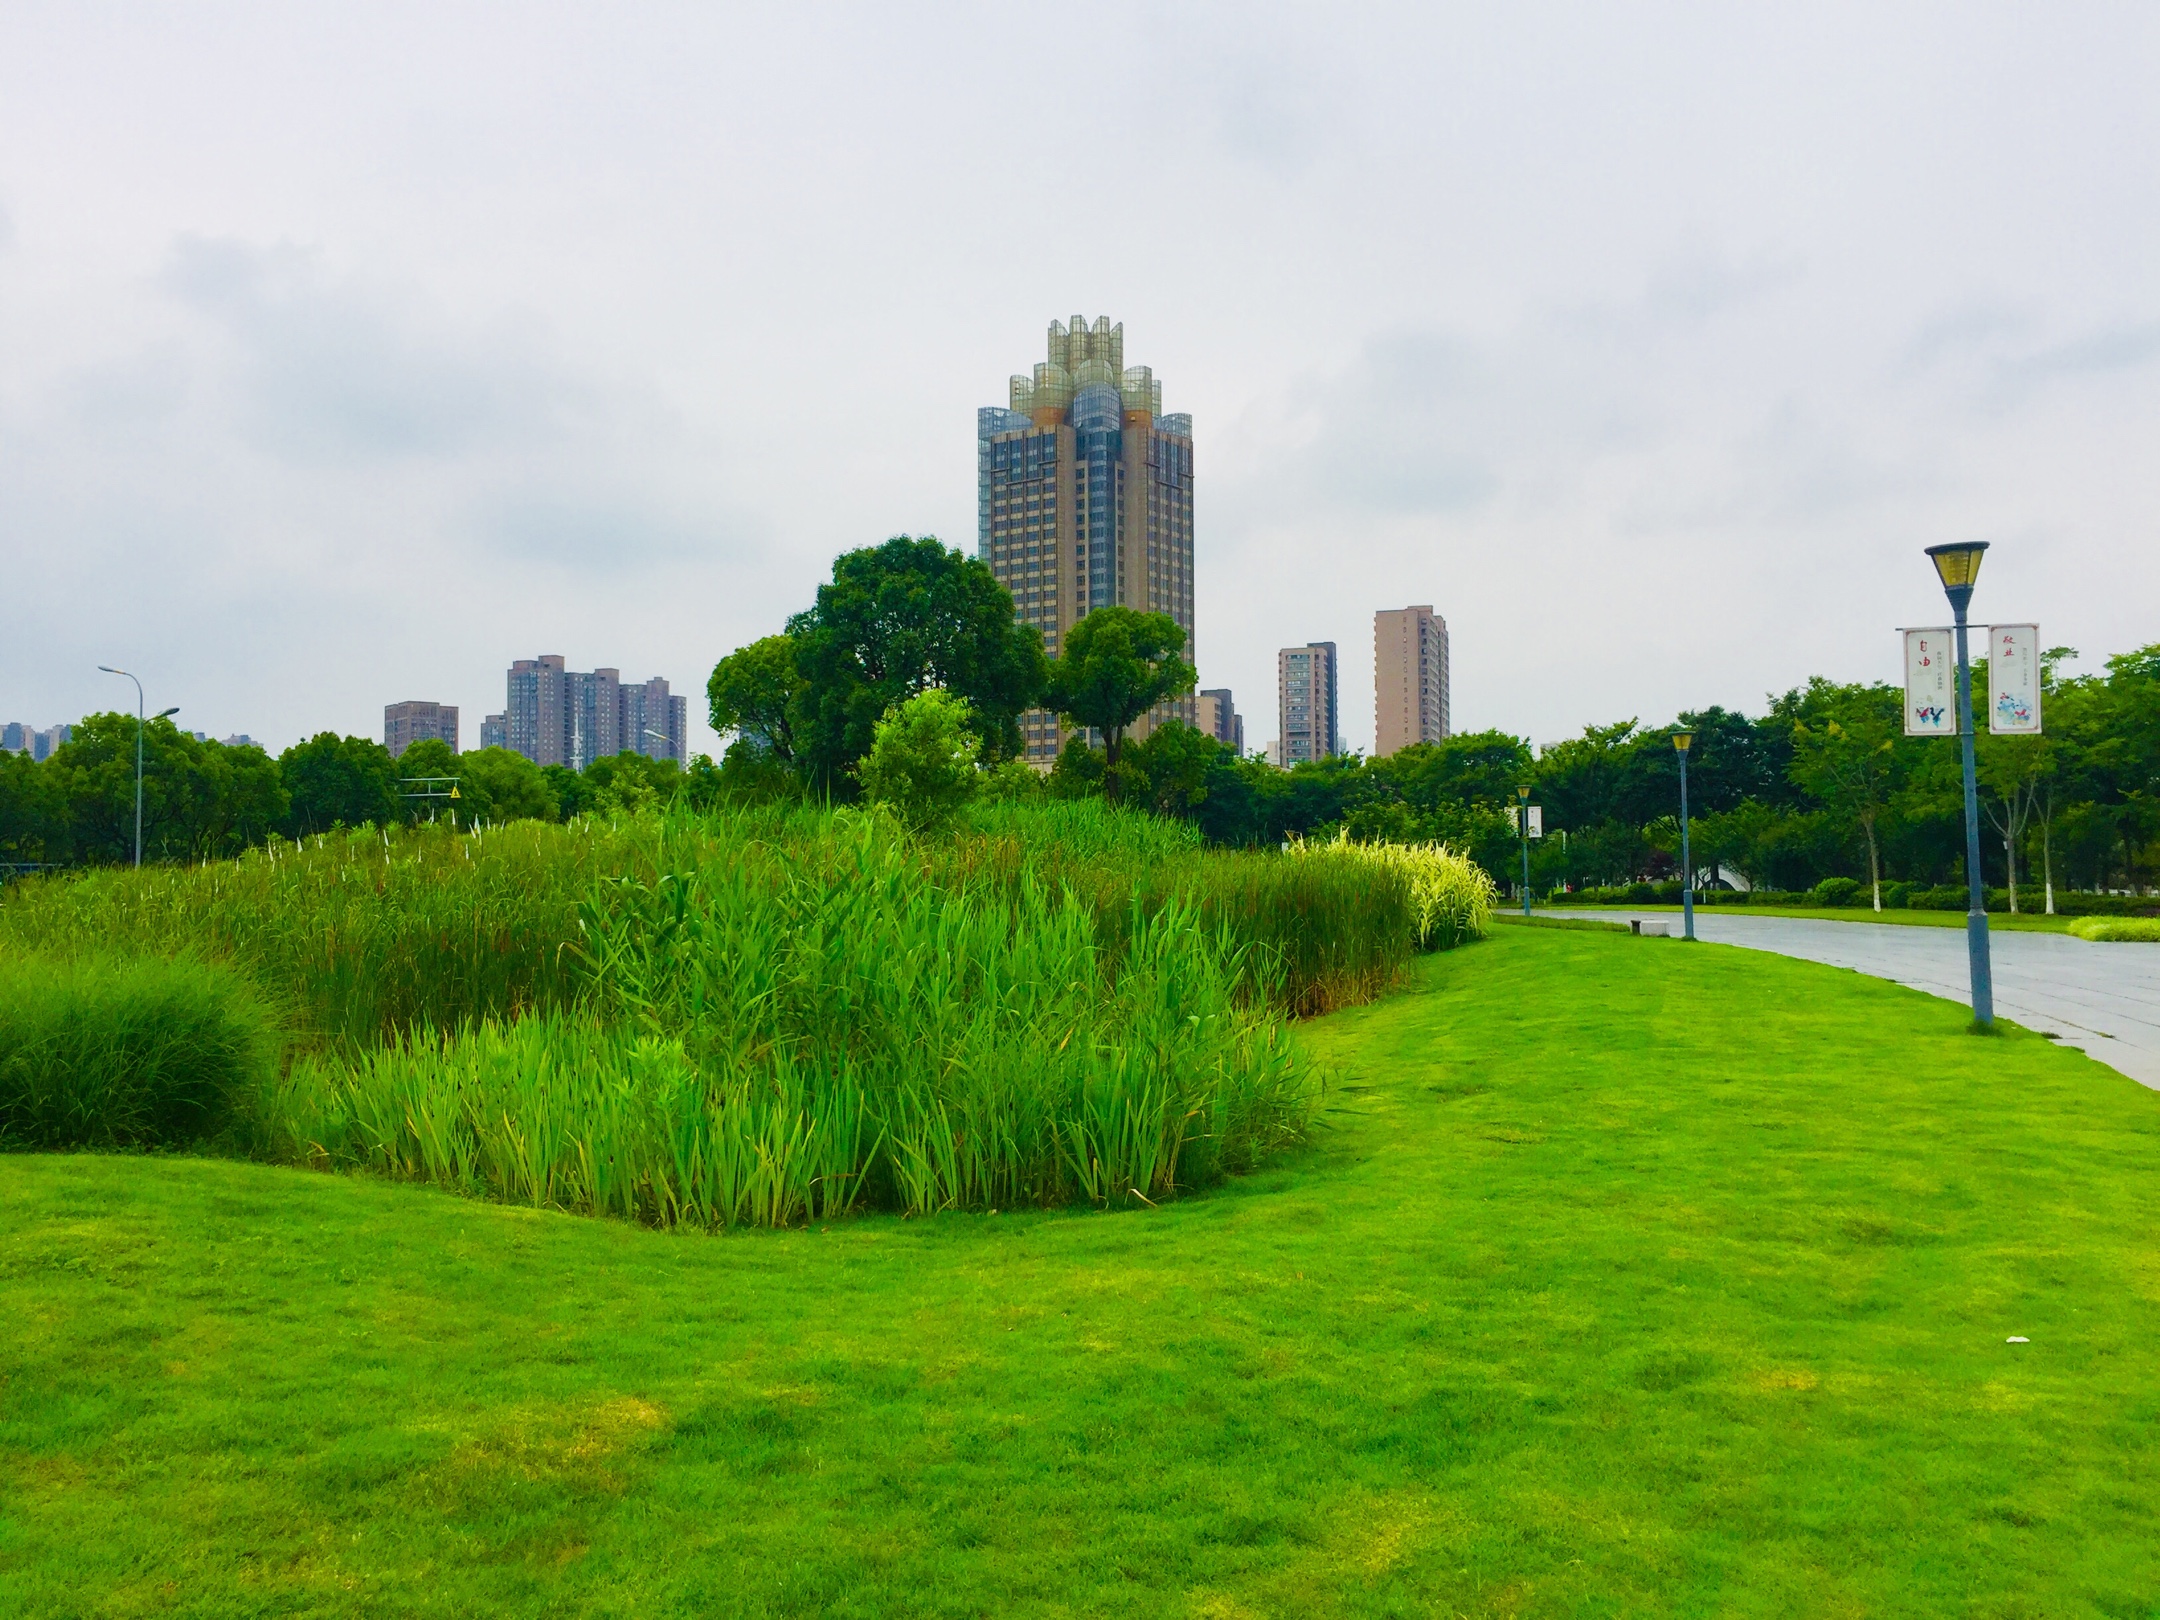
x,y
1410,679
1085,500
406,723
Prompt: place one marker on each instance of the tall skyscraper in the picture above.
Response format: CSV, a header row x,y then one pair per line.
x,y
1410,679
404,724
1305,682
1084,494
561,716
1218,717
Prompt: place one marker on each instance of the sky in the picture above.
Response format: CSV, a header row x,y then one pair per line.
x,y
348,353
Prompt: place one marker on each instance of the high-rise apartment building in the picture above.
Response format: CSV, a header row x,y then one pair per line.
x,y
1084,492
1410,678
1218,717
562,716
1305,679
495,730
404,724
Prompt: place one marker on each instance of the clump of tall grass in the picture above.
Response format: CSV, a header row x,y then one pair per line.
x,y
768,1042
1451,896
146,1053
1339,931
2121,930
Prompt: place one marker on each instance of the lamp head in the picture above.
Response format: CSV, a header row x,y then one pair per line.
x,y
1959,564
162,713
1682,738
1522,795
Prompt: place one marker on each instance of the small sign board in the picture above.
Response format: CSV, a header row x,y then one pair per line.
x,y
1533,820
2014,680
1931,683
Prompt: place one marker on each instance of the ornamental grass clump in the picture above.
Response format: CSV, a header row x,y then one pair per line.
x,y
2118,930
141,1054
1451,896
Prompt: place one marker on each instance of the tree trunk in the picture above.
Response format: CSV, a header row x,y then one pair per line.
x,y
1874,865
2047,862
1113,739
2010,865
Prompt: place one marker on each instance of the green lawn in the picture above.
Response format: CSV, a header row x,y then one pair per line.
x,y
2024,922
1631,1279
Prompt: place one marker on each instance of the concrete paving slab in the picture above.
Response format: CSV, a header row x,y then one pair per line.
x,y
2102,999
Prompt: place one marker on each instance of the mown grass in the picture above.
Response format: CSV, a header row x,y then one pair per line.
x,y
1628,1280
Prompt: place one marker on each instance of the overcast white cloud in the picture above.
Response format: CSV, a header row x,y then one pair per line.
x,y
348,353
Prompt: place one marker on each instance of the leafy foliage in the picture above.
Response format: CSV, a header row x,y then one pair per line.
x,y
895,620
1116,665
922,760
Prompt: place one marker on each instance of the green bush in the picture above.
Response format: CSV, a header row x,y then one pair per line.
x,y
137,1054
1838,891
922,759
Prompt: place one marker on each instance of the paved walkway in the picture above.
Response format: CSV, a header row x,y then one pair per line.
x,y
2103,999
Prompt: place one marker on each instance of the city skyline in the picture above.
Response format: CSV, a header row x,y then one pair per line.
x,y
396,358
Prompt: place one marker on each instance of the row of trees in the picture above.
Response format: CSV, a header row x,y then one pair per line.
x,y
203,800
1822,785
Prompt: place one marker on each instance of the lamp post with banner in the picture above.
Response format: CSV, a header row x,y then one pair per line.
x,y
1959,566
1681,740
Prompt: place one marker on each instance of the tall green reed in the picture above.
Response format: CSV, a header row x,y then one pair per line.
x,y
762,1040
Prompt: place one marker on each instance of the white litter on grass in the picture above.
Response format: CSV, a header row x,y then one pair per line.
x,y
2017,1338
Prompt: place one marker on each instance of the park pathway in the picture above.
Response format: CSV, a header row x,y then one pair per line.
x,y
2102,999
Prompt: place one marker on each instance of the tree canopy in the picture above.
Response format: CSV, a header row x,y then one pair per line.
x,y
1116,665
895,620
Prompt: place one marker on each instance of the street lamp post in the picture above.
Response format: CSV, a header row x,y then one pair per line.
x,y
1680,741
1959,566
139,706
1522,826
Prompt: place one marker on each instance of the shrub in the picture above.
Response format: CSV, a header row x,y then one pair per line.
x,y
922,759
1837,891
2122,930
140,1054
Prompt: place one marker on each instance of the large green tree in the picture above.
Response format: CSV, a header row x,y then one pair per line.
x,y
895,620
1848,760
754,691
340,782
1116,665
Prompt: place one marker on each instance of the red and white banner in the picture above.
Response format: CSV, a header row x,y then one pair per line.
x,y
1931,683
